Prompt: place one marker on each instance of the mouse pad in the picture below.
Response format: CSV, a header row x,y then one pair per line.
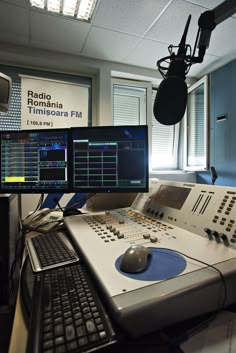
x,y
163,264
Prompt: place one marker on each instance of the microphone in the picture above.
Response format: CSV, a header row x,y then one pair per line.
x,y
214,175
171,98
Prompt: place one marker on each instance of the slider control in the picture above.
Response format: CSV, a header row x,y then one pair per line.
x,y
216,236
224,238
209,233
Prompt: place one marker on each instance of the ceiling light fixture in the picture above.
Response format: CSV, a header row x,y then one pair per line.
x,y
80,9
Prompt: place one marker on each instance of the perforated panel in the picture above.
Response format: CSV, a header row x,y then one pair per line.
x,y
12,119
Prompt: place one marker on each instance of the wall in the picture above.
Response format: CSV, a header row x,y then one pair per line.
x,y
101,73
222,132
99,70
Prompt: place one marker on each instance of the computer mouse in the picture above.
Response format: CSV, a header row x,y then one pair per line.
x,y
135,259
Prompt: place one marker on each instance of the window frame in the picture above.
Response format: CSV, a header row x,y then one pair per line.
x,y
195,168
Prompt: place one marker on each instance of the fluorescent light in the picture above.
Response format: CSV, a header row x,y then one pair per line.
x,y
69,7
53,5
86,8
80,9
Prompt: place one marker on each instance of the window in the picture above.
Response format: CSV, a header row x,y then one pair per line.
x,y
196,127
133,105
129,104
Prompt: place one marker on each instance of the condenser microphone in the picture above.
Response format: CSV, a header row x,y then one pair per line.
x,y
171,98
214,175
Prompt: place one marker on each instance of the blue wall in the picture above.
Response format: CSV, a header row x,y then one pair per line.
x,y
222,132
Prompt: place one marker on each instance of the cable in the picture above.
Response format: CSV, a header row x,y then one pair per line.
x,y
85,199
17,261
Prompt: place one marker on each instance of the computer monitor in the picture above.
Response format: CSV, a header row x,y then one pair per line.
x,y
34,161
5,92
110,159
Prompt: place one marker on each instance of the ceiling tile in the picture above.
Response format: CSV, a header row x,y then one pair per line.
x,y
57,33
108,45
129,16
170,27
13,23
211,5
222,38
199,69
146,54
207,4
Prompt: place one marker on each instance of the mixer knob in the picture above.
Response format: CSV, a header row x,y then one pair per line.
x,y
120,236
209,233
224,238
121,221
146,236
116,232
153,239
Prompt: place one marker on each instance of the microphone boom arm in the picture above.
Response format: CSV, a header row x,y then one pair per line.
x,y
207,23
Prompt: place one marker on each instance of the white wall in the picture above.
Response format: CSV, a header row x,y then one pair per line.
x,y
99,70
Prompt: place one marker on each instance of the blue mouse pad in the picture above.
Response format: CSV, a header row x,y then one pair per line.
x,y
163,264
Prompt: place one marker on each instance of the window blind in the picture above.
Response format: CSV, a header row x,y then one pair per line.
x,y
129,105
163,143
196,128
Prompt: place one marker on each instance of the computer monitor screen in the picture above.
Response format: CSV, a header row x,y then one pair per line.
x,y
110,159
34,161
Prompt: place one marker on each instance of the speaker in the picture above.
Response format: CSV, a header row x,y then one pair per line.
x,y
9,234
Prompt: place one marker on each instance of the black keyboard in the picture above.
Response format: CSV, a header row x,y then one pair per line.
x,y
50,250
67,315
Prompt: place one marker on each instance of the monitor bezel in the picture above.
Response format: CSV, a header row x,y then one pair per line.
x,y
9,189
111,190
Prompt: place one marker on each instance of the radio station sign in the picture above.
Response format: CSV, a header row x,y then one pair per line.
x,y
52,104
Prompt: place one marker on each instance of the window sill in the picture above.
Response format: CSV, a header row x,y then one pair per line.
x,y
175,175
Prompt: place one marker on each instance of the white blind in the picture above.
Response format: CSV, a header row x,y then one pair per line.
x,y
126,110
129,105
163,143
196,146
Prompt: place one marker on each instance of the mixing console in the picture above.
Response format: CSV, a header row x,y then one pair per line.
x,y
190,230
